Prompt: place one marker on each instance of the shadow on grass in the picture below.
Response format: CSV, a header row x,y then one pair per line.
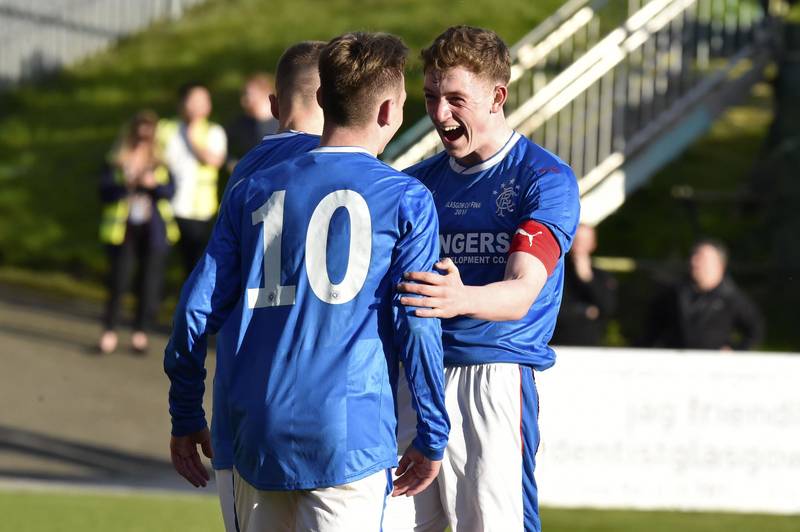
x,y
81,463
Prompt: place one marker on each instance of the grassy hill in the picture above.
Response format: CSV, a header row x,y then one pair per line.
x,y
54,134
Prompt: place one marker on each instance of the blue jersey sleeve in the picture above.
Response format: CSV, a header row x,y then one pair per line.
x,y
419,340
553,200
206,300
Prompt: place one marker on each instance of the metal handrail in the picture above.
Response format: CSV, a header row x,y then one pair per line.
x,y
631,85
533,51
646,76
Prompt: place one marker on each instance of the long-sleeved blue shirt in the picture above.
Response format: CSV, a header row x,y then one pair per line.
x,y
305,256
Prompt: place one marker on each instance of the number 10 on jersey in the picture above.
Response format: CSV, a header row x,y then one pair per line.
x,y
275,294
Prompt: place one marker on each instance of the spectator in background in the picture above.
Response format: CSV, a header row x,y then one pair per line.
x,y
707,311
256,121
137,226
194,149
589,297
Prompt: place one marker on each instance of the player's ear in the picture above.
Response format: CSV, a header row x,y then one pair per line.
x,y
500,97
385,112
273,106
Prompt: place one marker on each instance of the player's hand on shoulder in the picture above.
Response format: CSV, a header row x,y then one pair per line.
x,y
415,472
442,295
185,458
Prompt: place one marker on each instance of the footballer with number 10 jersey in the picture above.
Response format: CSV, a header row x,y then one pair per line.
x,y
305,257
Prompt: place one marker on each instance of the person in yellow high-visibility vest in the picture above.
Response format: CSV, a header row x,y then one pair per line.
x,y
137,226
194,149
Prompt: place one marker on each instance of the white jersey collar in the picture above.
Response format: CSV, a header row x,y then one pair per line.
x,y
491,161
284,134
342,149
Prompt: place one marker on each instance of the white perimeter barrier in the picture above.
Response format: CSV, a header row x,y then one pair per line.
x,y
657,429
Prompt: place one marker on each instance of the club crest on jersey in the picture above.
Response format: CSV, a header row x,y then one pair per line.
x,y
505,197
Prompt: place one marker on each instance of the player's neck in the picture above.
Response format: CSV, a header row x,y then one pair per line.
x,y
296,120
333,135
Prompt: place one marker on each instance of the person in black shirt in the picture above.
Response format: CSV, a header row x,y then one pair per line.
x,y
707,311
589,295
256,121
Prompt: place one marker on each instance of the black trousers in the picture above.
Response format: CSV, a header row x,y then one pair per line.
x,y
194,238
149,260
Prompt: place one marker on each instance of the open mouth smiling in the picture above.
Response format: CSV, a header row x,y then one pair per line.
x,y
451,133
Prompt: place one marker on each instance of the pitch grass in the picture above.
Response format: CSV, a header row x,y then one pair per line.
x,y
59,512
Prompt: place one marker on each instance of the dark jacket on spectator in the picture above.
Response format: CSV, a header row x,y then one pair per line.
x,y
685,318
574,327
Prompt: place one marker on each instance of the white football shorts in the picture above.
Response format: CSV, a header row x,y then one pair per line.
x,y
351,507
224,479
486,482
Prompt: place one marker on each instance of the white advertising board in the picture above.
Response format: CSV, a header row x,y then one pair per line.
x,y
625,428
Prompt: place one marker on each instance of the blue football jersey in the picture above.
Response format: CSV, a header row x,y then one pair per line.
x,y
271,150
480,208
305,257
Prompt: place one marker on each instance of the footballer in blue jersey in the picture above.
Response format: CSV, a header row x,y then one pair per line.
x,y
304,259
300,119
508,210
271,150
483,210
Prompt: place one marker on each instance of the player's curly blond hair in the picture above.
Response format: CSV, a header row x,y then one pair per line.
x,y
355,70
478,50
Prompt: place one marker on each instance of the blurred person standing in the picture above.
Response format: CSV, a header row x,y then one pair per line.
x,y
137,226
256,120
589,296
706,311
194,150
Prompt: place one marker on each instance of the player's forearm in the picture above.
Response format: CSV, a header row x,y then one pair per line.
x,y
186,371
421,354
426,385
185,355
186,410
511,298
506,300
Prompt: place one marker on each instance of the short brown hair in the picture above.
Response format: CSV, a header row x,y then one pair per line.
x,y
355,69
480,51
293,68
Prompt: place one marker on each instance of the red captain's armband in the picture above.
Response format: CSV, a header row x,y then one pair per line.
x,y
536,239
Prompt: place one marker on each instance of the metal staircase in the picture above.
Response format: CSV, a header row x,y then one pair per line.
x,y
618,93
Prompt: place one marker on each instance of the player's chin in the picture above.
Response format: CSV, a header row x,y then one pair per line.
x,y
457,149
